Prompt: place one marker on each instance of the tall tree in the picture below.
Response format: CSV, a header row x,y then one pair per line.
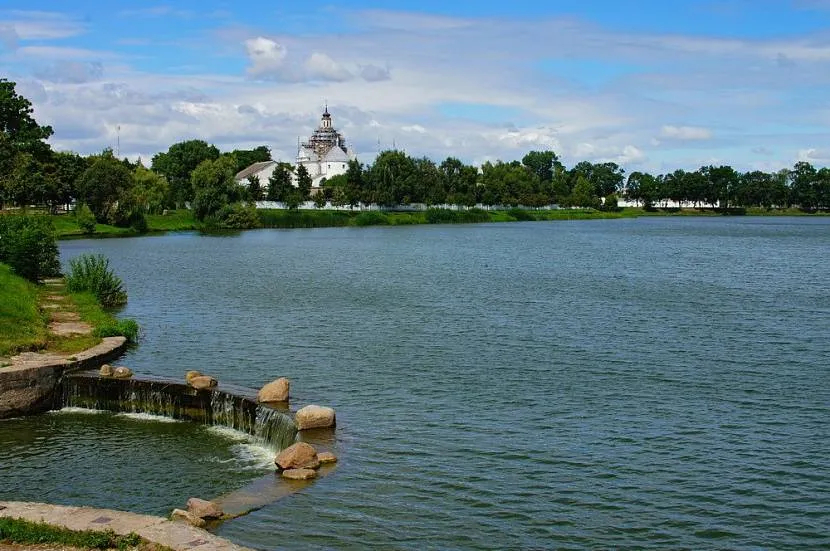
x,y
214,186
179,162
103,185
279,183
303,183
542,164
247,157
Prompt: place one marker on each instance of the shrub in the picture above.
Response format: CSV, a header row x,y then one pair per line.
x,y
84,218
119,328
239,217
521,215
27,532
370,218
92,273
27,244
446,216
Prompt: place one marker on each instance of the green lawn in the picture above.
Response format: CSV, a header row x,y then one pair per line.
x,y
181,220
22,327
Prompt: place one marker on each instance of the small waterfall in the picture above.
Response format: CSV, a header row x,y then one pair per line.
x,y
270,427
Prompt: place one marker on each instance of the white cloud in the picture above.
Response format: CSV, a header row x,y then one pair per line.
x,y
321,67
267,57
813,155
670,132
72,72
8,37
42,25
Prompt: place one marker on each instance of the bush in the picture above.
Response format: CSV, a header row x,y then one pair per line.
x,y
27,244
84,218
27,532
521,215
119,328
238,217
370,218
446,216
91,273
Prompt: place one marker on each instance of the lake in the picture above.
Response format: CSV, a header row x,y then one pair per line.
x,y
628,384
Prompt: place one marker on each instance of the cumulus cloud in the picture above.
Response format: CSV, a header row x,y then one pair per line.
x,y
813,155
321,67
690,133
374,73
266,57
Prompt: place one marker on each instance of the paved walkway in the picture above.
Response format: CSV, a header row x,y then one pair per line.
x,y
176,535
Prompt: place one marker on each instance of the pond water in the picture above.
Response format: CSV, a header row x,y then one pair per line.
x,y
650,383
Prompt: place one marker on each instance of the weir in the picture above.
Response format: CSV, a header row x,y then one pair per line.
x,y
232,407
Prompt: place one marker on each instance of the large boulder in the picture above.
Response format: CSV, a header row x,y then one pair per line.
x,y
299,474
203,509
122,372
301,455
190,374
106,370
275,391
188,517
315,417
203,382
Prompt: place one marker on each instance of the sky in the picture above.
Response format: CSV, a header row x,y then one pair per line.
x,y
650,85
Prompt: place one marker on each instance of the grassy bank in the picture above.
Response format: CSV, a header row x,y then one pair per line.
x,y
24,532
24,325
182,220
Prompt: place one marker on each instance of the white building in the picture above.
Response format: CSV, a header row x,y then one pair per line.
x,y
323,155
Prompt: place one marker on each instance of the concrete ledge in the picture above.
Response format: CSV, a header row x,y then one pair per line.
x,y
28,385
176,535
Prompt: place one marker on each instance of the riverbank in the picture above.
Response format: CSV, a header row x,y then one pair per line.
x,y
50,320
182,220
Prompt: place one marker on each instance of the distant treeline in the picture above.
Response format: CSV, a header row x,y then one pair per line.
x,y
196,173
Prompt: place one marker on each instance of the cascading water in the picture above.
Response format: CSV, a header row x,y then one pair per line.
x,y
268,426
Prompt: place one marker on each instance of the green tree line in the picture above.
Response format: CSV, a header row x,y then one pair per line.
x,y
195,173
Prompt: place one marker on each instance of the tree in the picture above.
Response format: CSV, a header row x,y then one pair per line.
x,y
303,183
459,181
542,164
279,184
254,188
150,190
247,157
214,186
722,181
103,184
354,188
179,162
583,194
802,180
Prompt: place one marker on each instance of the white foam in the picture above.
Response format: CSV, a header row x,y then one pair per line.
x,y
247,451
78,410
148,417
229,433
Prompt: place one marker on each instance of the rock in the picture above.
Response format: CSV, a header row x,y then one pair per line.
x,y
106,370
297,456
122,372
299,474
203,509
203,382
190,374
188,517
315,417
275,391
327,457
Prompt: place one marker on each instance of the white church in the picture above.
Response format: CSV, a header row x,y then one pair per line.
x,y
324,155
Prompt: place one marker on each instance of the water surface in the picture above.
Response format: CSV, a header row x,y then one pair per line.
x,y
649,383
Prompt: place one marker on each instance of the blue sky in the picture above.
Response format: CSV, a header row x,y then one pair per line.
x,y
650,85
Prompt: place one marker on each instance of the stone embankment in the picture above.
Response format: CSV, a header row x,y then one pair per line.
x,y
175,535
27,386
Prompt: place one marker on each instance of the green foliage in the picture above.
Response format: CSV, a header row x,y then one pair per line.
x,y
247,157
26,532
92,273
179,163
105,184
273,218
279,184
27,244
370,218
254,188
303,183
521,215
446,216
214,187
21,325
611,203
238,217
84,218
149,190
120,327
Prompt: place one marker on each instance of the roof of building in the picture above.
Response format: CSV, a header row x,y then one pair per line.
x,y
336,155
253,169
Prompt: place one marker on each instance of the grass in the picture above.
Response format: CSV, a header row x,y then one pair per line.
x,y
22,327
178,220
26,532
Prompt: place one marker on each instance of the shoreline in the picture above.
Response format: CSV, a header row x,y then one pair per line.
x,y
179,221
